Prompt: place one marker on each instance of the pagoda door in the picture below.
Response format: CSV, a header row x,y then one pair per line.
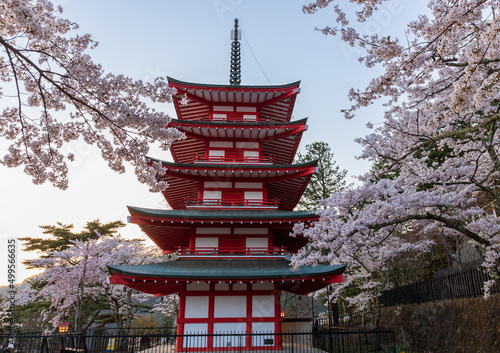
x,y
232,198
229,245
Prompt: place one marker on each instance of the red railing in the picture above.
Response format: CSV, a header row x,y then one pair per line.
x,y
201,251
224,159
270,203
235,119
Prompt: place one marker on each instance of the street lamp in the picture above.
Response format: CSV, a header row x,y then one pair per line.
x,y
63,327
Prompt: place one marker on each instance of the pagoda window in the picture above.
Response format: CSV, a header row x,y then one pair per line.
x,y
246,109
223,108
206,245
254,196
217,184
224,144
216,155
251,156
257,243
249,117
212,196
251,231
247,185
247,145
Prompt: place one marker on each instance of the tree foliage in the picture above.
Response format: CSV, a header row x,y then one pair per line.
x,y
53,93
62,237
328,179
73,285
436,164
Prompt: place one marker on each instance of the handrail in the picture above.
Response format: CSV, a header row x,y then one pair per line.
x,y
195,202
235,119
225,159
253,251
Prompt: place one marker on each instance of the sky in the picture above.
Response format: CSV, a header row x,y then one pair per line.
x,y
190,41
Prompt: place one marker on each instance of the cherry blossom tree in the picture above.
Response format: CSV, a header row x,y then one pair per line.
x,y
435,157
75,282
52,93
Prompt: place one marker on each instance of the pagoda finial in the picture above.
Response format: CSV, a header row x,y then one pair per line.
x,y
235,77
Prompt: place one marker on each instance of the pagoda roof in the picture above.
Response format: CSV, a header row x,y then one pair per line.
x,y
171,228
275,102
279,140
163,278
286,182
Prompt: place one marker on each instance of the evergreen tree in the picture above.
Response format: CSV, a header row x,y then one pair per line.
x,y
328,180
62,236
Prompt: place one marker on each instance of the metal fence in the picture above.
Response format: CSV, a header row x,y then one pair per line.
x,y
462,284
319,341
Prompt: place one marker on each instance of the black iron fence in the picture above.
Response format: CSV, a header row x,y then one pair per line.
x,y
462,284
349,320
319,341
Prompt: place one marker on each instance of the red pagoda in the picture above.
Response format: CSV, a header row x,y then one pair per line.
x,y
232,189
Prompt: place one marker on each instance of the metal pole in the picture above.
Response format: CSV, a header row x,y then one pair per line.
x,y
329,308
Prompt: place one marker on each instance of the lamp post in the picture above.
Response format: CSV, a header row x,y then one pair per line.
x,y
63,327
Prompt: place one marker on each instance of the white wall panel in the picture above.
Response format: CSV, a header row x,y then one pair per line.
x,y
230,306
204,242
195,342
196,307
227,144
263,306
247,145
257,243
216,153
229,340
245,185
212,195
246,109
254,195
217,184
223,108
251,153
258,341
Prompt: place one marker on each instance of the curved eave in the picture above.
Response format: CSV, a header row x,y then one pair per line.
x,y
167,277
171,228
274,102
284,182
224,167
274,216
278,140
230,87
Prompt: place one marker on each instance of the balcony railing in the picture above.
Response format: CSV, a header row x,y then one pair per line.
x,y
240,159
248,203
235,119
217,251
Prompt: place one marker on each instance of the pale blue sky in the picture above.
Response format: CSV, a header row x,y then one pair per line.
x,y
190,41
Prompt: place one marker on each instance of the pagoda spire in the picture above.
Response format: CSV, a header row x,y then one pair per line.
x,y
235,77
